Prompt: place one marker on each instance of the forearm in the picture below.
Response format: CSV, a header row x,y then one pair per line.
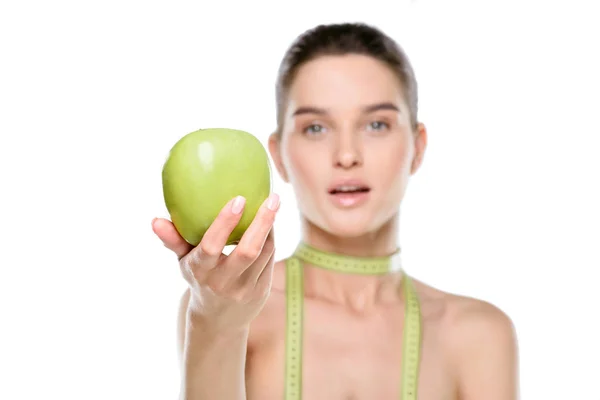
x,y
213,366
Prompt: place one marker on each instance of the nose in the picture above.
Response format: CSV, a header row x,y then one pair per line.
x,y
347,152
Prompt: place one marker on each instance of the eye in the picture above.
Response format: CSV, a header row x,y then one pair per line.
x,y
314,129
378,126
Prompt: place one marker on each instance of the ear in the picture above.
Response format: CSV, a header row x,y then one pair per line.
x,y
275,150
420,146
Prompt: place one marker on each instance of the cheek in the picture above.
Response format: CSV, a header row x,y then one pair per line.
x,y
391,163
304,166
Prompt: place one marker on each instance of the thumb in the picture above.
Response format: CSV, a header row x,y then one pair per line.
x,y
167,233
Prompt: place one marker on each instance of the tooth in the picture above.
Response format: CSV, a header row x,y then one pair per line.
x,y
348,188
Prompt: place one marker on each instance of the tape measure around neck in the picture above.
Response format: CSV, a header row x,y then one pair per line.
x,y
348,264
411,346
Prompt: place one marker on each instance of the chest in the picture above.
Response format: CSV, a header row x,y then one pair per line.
x,y
344,356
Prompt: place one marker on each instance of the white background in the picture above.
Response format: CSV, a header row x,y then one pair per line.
x,y
94,94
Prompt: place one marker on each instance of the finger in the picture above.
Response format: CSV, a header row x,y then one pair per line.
x,y
209,250
250,276
265,279
251,244
165,230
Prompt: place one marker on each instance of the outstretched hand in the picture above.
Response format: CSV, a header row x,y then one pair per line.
x,y
226,292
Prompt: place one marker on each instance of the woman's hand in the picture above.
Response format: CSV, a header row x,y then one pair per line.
x,y
226,292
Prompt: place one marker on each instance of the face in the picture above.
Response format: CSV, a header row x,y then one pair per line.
x,y
346,144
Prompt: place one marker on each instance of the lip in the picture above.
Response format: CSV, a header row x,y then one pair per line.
x,y
347,182
349,200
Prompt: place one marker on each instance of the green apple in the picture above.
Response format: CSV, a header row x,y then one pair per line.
x,y
206,169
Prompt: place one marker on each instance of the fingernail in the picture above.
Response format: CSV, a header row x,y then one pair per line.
x,y
273,202
238,205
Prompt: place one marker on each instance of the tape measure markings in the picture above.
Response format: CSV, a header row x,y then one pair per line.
x,y
294,333
411,341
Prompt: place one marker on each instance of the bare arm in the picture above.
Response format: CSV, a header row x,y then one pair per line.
x,y
211,367
487,354
226,292
182,323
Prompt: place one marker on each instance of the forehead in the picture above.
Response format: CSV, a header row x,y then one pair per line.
x,y
344,82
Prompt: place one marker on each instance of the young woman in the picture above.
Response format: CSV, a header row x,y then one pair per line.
x,y
338,319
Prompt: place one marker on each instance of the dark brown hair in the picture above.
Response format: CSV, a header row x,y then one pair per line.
x,y
342,39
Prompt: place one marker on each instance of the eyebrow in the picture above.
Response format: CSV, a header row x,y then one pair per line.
x,y
368,109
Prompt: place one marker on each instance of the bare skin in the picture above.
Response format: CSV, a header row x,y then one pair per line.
x,y
347,118
354,351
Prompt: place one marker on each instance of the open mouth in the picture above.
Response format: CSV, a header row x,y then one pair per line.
x,y
349,193
346,190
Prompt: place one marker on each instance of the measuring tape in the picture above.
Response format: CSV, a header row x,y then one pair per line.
x,y
347,264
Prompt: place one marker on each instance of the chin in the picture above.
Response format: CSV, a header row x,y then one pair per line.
x,y
347,232
351,225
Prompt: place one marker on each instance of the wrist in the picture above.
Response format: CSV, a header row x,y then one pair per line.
x,y
211,331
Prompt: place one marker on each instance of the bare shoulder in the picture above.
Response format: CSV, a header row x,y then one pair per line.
x,y
464,317
481,340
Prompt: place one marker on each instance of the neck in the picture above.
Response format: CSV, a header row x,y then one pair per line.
x,y
382,242
359,292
